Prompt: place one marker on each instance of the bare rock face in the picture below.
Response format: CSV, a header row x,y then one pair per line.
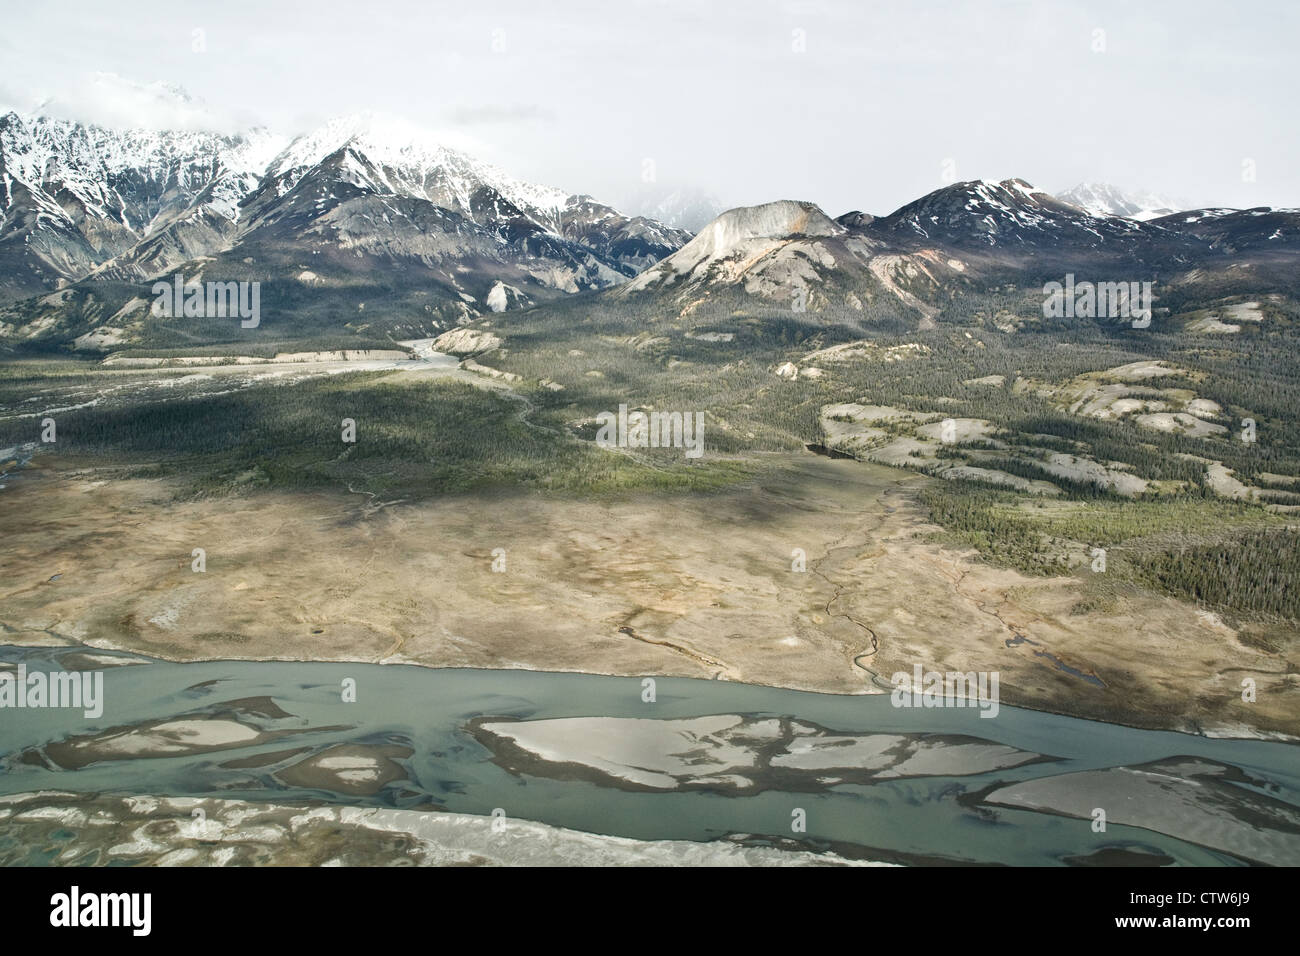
x,y
465,342
791,253
503,296
773,220
746,233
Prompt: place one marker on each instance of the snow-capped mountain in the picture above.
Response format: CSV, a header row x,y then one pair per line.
x,y
83,201
388,155
985,214
74,196
370,226
1103,199
380,155
633,243
422,234
378,186
1011,226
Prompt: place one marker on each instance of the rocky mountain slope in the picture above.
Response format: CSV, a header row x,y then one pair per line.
x,y
74,197
978,236
364,202
367,226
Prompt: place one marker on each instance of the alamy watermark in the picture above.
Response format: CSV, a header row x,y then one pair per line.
x,y
1100,300
652,430
83,689
209,300
946,689
130,910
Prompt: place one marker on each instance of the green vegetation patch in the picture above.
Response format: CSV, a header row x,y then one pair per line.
x,y
413,439
1223,554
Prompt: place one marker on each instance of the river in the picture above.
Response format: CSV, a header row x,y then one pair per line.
x,y
914,819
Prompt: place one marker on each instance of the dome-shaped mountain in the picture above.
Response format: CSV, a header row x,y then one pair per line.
x,y
743,235
793,255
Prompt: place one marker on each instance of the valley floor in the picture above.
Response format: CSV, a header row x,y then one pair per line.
x,y
698,585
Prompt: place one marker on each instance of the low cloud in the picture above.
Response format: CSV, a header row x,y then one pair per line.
x,y
106,99
487,115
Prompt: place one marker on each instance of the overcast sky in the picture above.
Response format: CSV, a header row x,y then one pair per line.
x,y
853,105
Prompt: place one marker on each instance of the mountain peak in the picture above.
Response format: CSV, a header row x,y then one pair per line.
x,y
414,161
856,219
984,212
752,227
740,239
773,220
130,203
382,137
1103,199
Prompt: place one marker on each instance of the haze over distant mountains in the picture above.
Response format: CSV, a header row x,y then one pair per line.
x,y
682,207
1103,199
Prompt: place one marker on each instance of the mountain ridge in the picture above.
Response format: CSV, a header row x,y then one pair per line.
x,y
978,234
82,202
